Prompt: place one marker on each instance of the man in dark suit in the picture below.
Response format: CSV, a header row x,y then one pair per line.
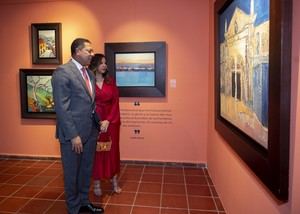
x,y
74,92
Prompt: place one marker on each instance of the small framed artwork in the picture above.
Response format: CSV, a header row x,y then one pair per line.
x,y
46,43
139,68
252,85
36,93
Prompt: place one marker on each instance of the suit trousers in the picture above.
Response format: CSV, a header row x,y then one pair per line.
x,y
77,172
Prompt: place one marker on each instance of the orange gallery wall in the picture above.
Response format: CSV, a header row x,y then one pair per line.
x,y
183,24
240,190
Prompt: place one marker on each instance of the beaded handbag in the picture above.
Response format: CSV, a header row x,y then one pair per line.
x,y
103,146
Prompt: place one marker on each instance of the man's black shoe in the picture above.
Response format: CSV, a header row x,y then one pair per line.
x,y
90,208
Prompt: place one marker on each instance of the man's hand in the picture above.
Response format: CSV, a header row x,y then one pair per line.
x,y
77,145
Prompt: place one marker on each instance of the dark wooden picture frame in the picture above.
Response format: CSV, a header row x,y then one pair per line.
x,y
270,163
46,43
156,86
36,93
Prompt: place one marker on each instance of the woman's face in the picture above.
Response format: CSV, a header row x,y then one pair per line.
x,y
102,67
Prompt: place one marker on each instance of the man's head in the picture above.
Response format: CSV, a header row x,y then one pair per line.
x,y
82,51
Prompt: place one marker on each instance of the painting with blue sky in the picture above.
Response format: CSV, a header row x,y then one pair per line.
x,y
244,66
135,69
260,10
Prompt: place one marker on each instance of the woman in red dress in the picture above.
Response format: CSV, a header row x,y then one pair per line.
x,y
106,163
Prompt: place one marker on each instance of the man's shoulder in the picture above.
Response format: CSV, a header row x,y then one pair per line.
x,y
65,66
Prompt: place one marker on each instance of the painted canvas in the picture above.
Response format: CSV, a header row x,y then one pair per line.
x,y
135,69
139,68
244,66
39,94
47,44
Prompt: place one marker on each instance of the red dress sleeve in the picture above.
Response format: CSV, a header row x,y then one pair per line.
x,y
114,114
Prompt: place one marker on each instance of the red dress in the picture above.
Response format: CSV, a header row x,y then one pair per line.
x,y
107,164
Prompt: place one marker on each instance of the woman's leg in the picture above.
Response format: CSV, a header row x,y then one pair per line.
x,y
115,185
97,188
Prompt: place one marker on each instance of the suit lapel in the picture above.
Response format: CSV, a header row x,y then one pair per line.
x,y
93,82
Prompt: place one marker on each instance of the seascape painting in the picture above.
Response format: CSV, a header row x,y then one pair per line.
x,y
135,69
244,67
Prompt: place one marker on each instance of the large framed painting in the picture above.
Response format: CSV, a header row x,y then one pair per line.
x,y
252,85
139,68
46,43
36,93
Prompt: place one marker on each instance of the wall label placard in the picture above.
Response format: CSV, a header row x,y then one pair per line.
x,y
137,117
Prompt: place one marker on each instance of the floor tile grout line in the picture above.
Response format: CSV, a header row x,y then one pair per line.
x,y
213,198
32,176
210,188
173,208
204,210
186,193
186,175
50,187
31,198
25,184
17,164
15,175
36,175
40,199
161,189
53,202
11,195
24,205
110,195
100,197
137,190
120,175
15,161
173,194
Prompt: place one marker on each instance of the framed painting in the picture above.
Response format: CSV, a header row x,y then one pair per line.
x,y
139,68
36,93
252,85
46,43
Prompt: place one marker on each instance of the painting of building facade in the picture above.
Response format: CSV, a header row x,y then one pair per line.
x,y
46,44
244,67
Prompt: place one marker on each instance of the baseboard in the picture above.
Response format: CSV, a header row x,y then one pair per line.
x,y
167,164
27,157
131,162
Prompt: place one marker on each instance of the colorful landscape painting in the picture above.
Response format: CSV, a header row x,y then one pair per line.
x,y
39,94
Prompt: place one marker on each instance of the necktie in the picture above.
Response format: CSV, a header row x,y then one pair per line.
x,y
86,79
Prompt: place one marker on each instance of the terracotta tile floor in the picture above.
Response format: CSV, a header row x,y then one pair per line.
x,y
36,186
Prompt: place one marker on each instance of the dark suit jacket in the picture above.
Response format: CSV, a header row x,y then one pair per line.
x,y
73,103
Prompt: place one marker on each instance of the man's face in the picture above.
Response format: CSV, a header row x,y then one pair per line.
x,y
85,54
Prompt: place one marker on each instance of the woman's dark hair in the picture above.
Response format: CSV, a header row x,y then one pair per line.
x,y
95,62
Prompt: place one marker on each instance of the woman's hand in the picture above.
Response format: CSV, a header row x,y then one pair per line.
x,y
104,125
